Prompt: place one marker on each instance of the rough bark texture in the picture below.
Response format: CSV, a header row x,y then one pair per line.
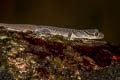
x,y
23,56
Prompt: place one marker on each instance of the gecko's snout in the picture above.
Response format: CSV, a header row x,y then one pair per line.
x,y
100,35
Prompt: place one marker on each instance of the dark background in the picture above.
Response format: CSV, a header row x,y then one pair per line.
x,y
78,14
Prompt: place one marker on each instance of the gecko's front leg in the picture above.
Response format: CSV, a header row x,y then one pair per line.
x,y
69,36
72,36
42,32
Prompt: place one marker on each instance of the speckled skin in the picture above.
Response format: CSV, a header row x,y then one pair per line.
x,y
45,30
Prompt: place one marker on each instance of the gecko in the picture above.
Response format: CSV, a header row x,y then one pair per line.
x,y
68,33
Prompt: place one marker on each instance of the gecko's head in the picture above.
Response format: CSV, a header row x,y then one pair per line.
x,y
92,34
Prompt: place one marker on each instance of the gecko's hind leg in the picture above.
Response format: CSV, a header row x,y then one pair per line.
x,y
43,32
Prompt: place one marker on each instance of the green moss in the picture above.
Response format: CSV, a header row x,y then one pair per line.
x,y
57,37
60,78
67,42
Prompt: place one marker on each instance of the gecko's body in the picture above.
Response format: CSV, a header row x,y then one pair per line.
x,y
45,30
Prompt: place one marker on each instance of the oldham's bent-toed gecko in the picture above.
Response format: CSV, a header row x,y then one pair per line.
x,y
45,30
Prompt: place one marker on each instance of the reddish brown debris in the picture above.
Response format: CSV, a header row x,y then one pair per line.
x,y
115,57
35,41
101,55
55,47
41,71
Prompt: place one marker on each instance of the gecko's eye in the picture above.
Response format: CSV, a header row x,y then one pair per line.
x,y
96,34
